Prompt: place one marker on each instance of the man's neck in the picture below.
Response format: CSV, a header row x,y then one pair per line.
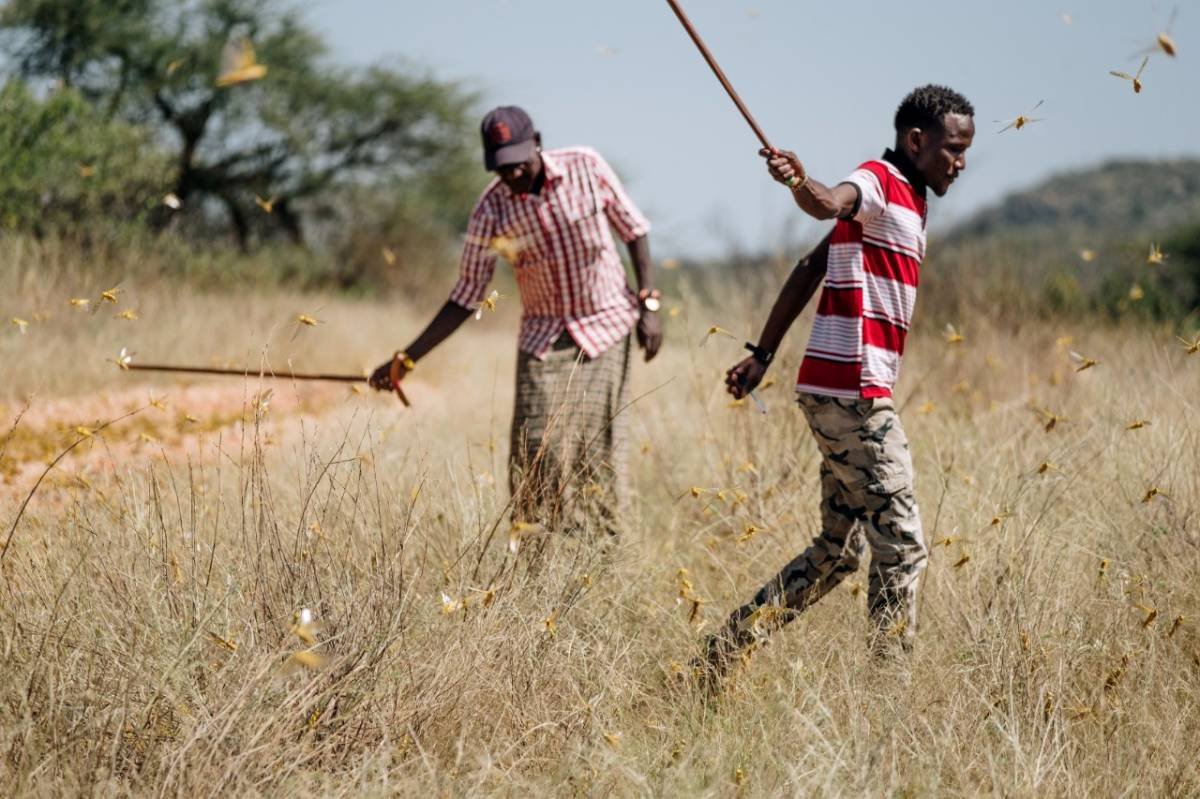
x,y
539,177
902,162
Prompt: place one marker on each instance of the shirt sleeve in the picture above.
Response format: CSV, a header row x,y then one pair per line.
x,y
622,214
869,181
478,262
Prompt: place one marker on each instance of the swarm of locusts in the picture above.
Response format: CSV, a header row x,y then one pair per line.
x,y
189,603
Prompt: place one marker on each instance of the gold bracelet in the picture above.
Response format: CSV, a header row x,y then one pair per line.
x,y
408,363
800,185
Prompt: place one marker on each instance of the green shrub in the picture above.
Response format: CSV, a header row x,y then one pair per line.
x,y
64,166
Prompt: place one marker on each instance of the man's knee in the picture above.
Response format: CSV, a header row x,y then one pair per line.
x,y
896,538
899,563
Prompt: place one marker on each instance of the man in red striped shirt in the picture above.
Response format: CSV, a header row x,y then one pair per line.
x,y
870,264
551,214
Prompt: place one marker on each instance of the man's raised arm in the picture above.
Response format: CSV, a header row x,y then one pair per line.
x,y
814,198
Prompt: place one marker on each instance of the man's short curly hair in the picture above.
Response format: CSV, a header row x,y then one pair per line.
x,y
925,107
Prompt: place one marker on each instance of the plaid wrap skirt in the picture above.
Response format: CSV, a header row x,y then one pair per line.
x,y
569,439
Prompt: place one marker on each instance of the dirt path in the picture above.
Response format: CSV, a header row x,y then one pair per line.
x,y
170,421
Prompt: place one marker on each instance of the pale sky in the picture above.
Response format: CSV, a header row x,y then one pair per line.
x,y
822,79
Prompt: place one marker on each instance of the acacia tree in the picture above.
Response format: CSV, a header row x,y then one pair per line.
x,y
305,130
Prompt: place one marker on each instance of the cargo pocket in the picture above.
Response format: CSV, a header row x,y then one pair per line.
x,y
886,449
837,428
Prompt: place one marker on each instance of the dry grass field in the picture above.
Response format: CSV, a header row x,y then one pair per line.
x,y
151,584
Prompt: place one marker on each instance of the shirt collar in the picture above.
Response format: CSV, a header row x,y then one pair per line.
x,y
553,168
907,168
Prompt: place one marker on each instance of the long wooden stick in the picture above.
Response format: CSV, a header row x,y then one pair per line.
x,y
716,68
216,370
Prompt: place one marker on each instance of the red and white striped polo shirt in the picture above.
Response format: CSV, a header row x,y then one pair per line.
x,y
562,251
870,288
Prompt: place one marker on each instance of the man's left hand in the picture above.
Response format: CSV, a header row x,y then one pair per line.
x,y
649,333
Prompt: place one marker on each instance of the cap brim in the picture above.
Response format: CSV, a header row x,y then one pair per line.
x,y
517,153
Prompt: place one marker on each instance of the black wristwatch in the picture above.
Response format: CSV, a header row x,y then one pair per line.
x,y
764,357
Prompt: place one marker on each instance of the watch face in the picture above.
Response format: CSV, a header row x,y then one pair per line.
x,y
651,304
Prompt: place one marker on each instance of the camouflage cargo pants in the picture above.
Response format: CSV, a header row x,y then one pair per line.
x,y
867,500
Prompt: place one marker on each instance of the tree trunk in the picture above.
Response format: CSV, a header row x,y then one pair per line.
x,y
290,222
241,226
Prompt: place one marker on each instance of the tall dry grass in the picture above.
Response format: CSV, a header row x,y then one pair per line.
x,y
147,617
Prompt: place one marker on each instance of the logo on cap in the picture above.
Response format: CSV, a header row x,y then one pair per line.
x,y
500,134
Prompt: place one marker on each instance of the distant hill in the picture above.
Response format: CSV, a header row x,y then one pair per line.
x,y
1118,199
1077,243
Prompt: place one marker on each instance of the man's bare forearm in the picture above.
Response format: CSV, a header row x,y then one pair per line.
x,y
449,319
643,267
818,200
814,198
801,284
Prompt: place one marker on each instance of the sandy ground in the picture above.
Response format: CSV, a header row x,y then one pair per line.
x,y
171,422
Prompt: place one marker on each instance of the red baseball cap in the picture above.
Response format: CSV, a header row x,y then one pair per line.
x,y
507,137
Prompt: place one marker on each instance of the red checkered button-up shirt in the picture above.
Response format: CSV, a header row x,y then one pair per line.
x,y
561,248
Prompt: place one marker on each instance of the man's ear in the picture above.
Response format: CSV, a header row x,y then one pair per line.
x,y
537,138
913,140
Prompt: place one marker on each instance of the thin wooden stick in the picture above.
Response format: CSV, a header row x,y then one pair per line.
x,y
716,68
216,370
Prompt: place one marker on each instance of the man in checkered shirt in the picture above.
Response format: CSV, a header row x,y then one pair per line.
x,y
551,214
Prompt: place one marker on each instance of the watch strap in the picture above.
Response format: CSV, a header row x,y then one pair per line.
x,y
763,356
